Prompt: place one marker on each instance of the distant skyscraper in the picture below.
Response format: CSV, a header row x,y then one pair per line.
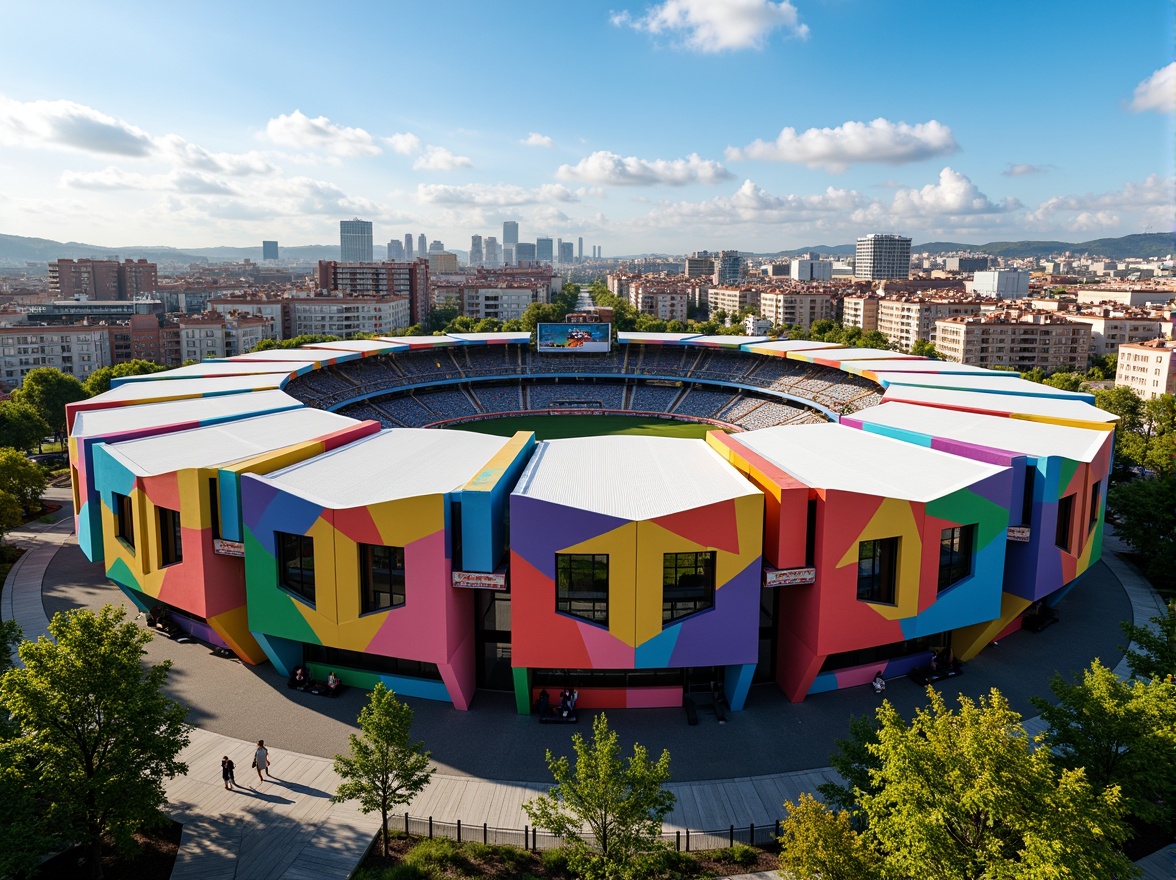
x,y
395,251
269,250
436,246
493,252
476,258
881,256
580,249
543,250
525,252
408,247
510,232
728,268
355,241
422,245
566,253
508,254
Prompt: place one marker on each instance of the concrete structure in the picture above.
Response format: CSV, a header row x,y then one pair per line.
x,y
860,310
796,305
76,350
881,255
1001,283
407,280
442,263
700,266
475,301
344,316
1021,340
907,319
966,265
1109,329
812,270
728,268
732,299
544,250
269,250
355,241
476,256
102,279
1148,369
396,251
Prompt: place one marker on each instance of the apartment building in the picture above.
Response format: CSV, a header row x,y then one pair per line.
x,y
881,255
796,305
344,316
217,336
78,351
504,303
1001,283
906,319
1110,329
860,310
1019,339
700,266
666,302
275,311
102,279
156,340
732,299
409,280
1148,368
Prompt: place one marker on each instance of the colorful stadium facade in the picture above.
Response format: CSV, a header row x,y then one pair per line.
x,y
440,562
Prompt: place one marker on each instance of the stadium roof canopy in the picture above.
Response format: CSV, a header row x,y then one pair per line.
x,y
395,463
832,456
132,392
419,342
837,356
208,369
781,347
724,341
366,347
513,337
631,477
1014,435
319,357
224,443
919,365
1042,409
626,337
99,422
980,382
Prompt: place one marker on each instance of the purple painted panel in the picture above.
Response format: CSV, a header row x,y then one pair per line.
x,y
539,528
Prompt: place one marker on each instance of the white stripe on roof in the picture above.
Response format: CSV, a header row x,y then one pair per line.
x,y
97,422
1020,404
132,391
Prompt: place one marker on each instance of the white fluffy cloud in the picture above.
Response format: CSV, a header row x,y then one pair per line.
x,y
405,143
494,194
68,125
1157,92
534,139
113,179
192,156
836,149
609,169
955,194
752,204
1152,199
440,159
1020,169
299,130
716,25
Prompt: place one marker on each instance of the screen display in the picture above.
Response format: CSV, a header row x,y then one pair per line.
x,y
573,338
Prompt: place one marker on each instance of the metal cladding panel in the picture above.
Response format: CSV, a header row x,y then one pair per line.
x,y
212,370
99,422
135,392
986,383
1041,408
627,337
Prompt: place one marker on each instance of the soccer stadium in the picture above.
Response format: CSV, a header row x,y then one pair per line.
x,y
668,513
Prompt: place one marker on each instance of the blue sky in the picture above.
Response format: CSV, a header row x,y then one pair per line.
x,y
669,126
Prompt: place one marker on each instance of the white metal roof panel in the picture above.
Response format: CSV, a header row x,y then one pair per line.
x,y
365,346
395,463
177,388
227,442
785,345
830,456
984,383
210,369
927,365
635,338
98,422
631,477
864,354
1000,404
301,355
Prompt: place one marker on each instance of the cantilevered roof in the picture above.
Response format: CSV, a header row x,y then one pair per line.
x,y
227,442
835,357
208,369
366,347
512,337
1015,435
724,341
395,463
830,456
319,357
1017,406
869,368
415,342
781,347
630,477
132,392
986,383
189,412
627,337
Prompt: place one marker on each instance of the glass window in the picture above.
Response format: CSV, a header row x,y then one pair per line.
x,y
1095,501
877,567
688,584
581,586
955,555
381,572
125,519
296,564
171,546
1065,517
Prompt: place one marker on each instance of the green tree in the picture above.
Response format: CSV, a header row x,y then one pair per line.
x,y
969,794
21,426
48,390
622,804
99,381
855,763
1065,381
1035,375
385,767
1145,517
1130,447
1154,652
95,719
1115,730
21,478
873,339
923,348
817,842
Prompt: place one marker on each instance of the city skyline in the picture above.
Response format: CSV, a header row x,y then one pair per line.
x,y
668,126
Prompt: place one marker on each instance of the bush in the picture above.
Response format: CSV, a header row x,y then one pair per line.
x,y
740,854
555,861
439,855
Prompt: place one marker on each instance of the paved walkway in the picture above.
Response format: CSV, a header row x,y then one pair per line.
x,y
287,828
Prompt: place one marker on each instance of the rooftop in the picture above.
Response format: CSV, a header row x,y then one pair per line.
x,y
120,419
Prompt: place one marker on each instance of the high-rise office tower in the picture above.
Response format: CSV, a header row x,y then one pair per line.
x,y
395,251
510,232
269,250
508,254
543,250
355,241
436,246
493,252
476,250
566,253
728,268
422,245
580,249
408,247
881,255
525,252
558,249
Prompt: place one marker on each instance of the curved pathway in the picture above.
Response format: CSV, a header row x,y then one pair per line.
x,y
286,827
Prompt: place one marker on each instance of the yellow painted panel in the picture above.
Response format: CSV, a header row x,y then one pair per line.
x,y
233,627
492,471
967,641
405,520
621,546
894,518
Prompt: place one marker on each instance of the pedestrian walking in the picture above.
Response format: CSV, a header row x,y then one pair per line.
x,y
227,772
261,760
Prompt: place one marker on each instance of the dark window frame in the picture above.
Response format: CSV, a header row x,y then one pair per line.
x,y
877,574
589,603
124,518
1095,503
376,582
680,600
1065,523
957,552
171,536
298,579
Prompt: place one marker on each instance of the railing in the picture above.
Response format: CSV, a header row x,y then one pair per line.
x,y
533,839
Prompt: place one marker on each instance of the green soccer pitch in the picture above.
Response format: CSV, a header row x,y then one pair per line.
x,y
560,427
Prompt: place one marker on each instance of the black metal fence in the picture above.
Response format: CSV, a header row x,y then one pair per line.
x,y
535,840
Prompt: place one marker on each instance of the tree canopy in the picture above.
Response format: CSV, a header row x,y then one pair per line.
x,y
99,381
384,767
21,426
96,726
1153,654
22,479
609,811
48,390
1145,517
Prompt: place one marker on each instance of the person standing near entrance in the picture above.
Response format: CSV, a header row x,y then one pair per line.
x,y
227,772
261,760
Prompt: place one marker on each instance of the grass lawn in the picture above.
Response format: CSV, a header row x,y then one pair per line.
x,y
560,427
